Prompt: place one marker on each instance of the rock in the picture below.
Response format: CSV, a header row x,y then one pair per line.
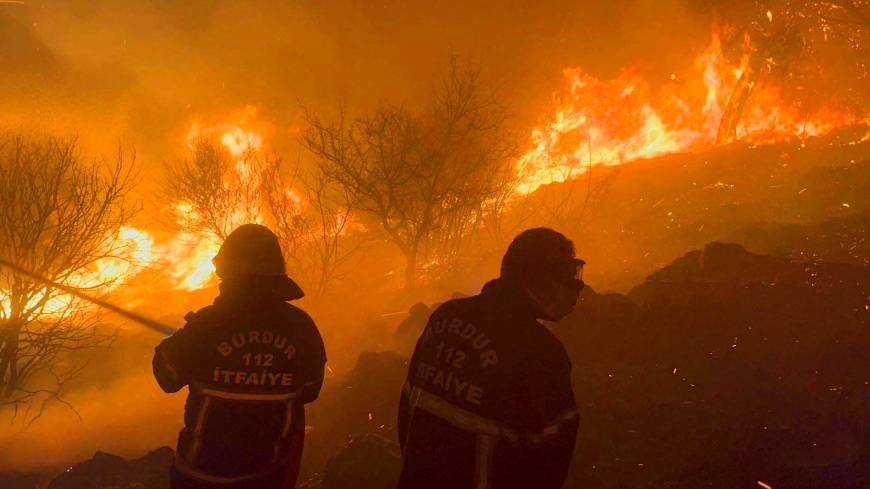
x,y
25,480
366,402
372,461
106,471
721,369
723,272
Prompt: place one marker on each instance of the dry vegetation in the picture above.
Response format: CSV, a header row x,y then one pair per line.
x,y
59,216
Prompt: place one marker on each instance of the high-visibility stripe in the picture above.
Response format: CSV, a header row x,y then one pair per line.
x,y
483,462
288,421
553,429
459,417
196,445
276,452
475,423
239,396
186,464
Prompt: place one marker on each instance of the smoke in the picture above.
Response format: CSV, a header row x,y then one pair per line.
x,y
139,72
118,408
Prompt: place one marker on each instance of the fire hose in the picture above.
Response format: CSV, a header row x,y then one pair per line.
x,y
135,317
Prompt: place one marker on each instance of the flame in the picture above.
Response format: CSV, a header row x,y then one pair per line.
x,y
609,122
247,133
238,141
189,258
136,248
132,251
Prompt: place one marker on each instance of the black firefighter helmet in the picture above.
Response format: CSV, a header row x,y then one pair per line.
x,y
252,253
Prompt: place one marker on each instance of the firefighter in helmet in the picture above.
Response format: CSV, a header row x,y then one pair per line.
x,y
251,362
488,401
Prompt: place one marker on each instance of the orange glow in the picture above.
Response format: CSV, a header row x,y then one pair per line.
x,y
239,141
189,256
133,250
190,260
609,122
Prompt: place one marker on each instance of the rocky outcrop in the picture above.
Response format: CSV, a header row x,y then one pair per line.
x,y
723,369
106,471
372,461
365,403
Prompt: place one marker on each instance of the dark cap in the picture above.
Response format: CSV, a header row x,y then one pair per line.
x,y
540,253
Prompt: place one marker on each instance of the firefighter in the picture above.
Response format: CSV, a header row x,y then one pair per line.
x,y
488,401
251,362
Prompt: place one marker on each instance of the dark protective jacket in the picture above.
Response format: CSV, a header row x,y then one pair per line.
x,y
251,362
488,401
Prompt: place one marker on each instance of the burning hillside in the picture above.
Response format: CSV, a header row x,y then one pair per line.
x,y
710,162
628,118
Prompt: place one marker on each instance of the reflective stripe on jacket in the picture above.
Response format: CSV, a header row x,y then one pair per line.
x,y
250,364
488,402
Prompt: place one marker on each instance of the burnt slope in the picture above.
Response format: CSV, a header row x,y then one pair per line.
x,y
723,369
644,214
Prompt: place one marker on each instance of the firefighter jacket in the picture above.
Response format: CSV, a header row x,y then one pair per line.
x,y
251,362
488,401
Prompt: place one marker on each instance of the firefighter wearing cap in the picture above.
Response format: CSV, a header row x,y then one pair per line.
x,y
251,362
488,401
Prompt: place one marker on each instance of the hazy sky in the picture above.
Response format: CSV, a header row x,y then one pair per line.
x,y
152,64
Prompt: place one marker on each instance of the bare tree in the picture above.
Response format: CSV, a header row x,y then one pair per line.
x,y
220,192
314,223
59,216
425,176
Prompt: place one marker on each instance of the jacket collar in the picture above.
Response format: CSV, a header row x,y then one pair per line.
x,y
512,296
257,290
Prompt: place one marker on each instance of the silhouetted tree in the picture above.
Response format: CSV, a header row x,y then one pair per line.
x,y
60,216
217,191
426,176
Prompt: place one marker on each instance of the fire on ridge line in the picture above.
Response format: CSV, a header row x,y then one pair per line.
x,y
591,122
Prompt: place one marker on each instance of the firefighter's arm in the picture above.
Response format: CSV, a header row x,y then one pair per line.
x,y
555,446
167,363
556,452
313,369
